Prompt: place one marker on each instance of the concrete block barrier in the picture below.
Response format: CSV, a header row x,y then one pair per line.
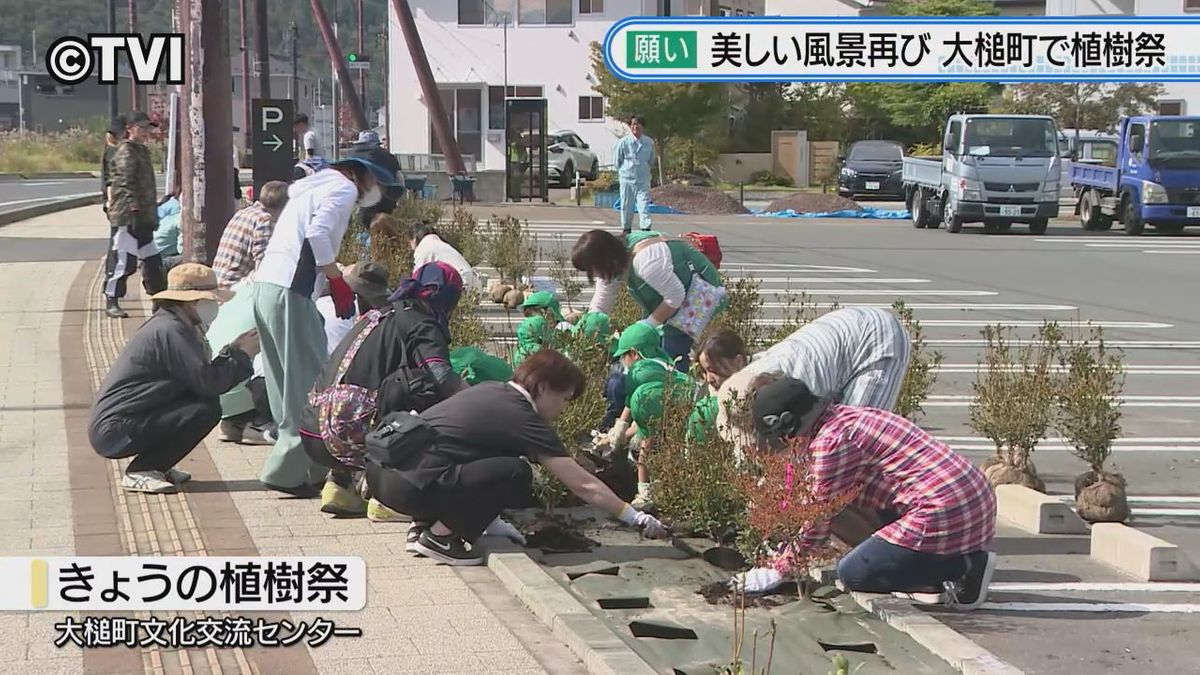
x,y
1035,512
1143,555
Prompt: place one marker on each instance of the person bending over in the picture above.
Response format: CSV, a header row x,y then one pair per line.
x,y
945,509
474,463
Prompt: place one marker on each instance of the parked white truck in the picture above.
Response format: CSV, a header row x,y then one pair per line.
x,y
994,169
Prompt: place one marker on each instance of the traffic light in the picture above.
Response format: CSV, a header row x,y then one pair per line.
x,y
355,57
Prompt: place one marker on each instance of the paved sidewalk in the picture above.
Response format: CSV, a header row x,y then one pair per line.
x,y
55,347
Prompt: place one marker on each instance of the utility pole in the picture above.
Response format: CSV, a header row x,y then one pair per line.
x,y
134,103
362,74
337,103
433,99
342,77
293,32
262,48
114,101
207,128
247,123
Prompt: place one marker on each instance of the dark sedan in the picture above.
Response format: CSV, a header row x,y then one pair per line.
x,y
872,168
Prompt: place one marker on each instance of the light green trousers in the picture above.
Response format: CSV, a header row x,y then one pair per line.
x,y
292,337
236,317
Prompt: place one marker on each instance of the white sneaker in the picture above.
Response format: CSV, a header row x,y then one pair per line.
x,y
153,482
258,435
178,477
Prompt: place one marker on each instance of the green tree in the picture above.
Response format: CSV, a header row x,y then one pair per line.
x,y
942,8
689,116
915,112
1082,105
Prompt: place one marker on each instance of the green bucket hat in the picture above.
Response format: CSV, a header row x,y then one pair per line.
x,y
474,365
595,325
644,340
544,300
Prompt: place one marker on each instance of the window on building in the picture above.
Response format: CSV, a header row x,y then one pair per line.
x,y
741,12
1191,5
464,108
496,98
591,6
485,12
591,108
1170,107
544,12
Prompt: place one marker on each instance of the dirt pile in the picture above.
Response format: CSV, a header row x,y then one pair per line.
x,y
805,202
696,201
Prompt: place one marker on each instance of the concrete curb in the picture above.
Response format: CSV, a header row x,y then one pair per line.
x,y
41,175
595,644
1036,512
11,177
962,653
17,215
1145,556
956,649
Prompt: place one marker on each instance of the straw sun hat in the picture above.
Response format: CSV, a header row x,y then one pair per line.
x,y
190,282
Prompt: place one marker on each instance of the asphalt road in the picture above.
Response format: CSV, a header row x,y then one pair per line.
x,y
21,194
1140,290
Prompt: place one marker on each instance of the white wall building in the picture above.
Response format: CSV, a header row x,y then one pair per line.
x,y
1180,98
548,55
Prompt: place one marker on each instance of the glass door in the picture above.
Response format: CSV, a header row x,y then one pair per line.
x,y
525,157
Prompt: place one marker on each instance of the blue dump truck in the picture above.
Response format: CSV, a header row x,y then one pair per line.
x,y
1155,179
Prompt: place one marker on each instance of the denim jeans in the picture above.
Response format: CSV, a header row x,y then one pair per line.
x,y
877,566
614,393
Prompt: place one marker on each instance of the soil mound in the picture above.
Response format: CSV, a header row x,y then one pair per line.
x,y
696,201
804,202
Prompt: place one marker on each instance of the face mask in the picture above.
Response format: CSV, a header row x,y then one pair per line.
x,y
207,310
371,198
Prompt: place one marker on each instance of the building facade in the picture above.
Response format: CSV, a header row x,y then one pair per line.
x,y
543,50
879,7
1180,98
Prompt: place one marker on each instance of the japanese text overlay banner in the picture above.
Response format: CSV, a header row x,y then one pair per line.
x,y
914,49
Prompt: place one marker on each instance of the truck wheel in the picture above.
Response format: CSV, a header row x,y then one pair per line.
x,y
1130,218
953,222
1039,226
1090,215
918,210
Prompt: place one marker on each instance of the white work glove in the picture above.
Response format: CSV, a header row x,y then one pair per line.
x,y
503,528
617,436
651,527
757,580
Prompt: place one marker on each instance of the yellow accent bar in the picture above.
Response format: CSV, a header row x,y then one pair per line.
x,y
39,583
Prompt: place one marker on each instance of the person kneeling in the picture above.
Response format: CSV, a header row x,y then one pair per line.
x,y
936,548
161,397
460,463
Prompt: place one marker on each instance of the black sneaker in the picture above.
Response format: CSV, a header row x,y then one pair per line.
x,y
971,591
113,309
414,533
450,550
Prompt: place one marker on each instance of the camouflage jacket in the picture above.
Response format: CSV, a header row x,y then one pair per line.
x,y
134,188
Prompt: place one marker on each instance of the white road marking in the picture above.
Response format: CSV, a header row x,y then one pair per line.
x,y
1145,241
1119,442
1173,252
43,183
1123,344
972,368
1179,513
1105,607
1113,587
45,199
1058,447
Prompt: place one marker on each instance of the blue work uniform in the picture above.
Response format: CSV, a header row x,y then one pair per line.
x,y
633,157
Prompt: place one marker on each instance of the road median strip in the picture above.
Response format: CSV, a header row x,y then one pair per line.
x,y
52,205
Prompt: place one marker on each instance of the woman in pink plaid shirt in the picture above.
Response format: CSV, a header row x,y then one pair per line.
x,y
935,550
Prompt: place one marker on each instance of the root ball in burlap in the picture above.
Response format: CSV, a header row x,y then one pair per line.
x,y
1006,474
1101,499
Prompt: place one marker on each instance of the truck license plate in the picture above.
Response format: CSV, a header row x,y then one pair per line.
x,y
872,185
1193,212
1010,210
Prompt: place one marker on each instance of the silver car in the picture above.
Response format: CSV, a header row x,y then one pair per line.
x,y
566,153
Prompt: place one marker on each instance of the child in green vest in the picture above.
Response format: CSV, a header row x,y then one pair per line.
x,y
542,317
474,365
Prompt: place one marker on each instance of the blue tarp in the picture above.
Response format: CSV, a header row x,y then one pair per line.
x,y
881,214
652,208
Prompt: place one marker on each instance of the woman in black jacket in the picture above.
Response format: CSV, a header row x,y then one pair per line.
x,y
161,396
395,359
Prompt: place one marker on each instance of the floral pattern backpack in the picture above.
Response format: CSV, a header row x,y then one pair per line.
x,y
345,413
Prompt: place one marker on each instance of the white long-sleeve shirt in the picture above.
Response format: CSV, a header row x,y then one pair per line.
x,y
433,248
829,351
309,232
656,267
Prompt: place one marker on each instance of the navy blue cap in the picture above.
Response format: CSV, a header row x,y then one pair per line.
x,y
382,175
